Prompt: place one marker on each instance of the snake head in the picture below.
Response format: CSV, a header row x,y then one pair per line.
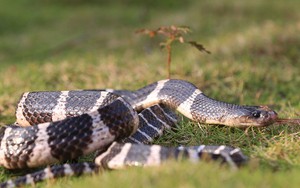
x,y
256,116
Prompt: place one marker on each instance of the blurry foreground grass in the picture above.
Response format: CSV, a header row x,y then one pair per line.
x,y
255,60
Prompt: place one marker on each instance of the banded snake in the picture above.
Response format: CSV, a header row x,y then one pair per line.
x,y
119,125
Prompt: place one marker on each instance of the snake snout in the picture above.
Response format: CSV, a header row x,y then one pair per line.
x,y
255,116
262,116
270,117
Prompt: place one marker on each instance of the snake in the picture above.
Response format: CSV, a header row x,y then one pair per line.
x,y
118,126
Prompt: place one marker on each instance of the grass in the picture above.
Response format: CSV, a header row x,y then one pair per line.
x,y
62,45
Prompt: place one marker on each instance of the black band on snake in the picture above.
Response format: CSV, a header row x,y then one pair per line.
x,y
117,124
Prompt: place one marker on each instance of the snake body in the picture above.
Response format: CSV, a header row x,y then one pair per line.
x,y
117,124
39,107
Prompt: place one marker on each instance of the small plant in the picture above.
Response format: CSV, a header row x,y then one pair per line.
x,y
172,34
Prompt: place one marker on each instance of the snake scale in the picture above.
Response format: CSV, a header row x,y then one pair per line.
x,y
119,125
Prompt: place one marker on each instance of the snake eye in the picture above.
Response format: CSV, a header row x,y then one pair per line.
x,y
256,114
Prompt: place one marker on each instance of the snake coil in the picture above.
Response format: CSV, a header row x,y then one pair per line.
x,y
117,124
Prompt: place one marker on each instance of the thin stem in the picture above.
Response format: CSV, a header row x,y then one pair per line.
x,y
169,60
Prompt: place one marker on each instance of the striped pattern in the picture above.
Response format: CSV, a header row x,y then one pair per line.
x,y
52,172
192,103
152,123
49,143
38,107
74,123
122,155
49,106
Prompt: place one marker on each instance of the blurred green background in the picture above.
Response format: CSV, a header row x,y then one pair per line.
x,y
43,29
